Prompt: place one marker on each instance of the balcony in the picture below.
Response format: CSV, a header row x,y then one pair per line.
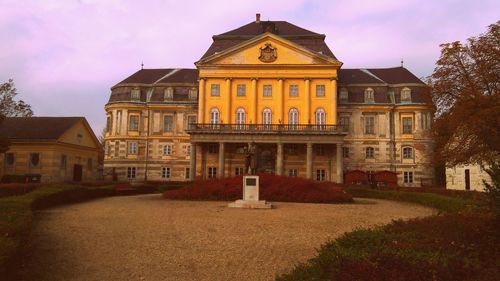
x,y
267,129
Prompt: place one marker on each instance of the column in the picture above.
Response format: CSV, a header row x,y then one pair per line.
x,y
254,115
220,169
279,108
229,111
340,164
309,161
279,159
333,114
307,113
201,101
192,161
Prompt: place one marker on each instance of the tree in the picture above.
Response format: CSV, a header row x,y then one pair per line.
x,y
465,86
8,106
493,189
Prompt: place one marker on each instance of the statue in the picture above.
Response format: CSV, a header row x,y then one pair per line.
x,y
250,159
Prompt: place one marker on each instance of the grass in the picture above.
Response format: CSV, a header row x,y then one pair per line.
x,y
16,215
463,243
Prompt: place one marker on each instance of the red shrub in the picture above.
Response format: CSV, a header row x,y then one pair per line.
x,y
272,188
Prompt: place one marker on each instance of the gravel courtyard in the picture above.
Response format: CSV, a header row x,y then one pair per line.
x,y
148,238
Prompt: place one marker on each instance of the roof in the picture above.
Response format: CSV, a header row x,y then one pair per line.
x,y
162,75
310,40
36,128
394,75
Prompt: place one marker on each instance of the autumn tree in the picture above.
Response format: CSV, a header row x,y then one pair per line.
x,y
465,86
9,107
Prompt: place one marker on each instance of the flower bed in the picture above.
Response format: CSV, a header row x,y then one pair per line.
x,y
272,188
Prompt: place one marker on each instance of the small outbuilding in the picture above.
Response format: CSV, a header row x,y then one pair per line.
x,y
49,149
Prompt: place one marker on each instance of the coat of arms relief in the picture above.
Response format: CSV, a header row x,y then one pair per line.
x,y
268,53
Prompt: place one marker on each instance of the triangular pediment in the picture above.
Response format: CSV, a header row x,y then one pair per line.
x,y
268,49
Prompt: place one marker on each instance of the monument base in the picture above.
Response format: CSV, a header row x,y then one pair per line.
x,y
250,204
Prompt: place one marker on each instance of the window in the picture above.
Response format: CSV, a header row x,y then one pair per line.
x,y
426,120
168,123
407,177
320,117
133,124
320,175
240,118
369,96
370,125
130,172
320,149
108,124
117,148
135,95
188,150
291,149
212,148
214,116
240,149
370,153
106,148
193,94
191,120
345,152
10,159
64,162
268,90
165,172
34,159
293,173
407,153
168,95
343,96
167,149
405,95
241,90
212,172
293,117
132,148
238,171
215,90
344,123
293,90
407,125
89,164
320,90
187,173
267,116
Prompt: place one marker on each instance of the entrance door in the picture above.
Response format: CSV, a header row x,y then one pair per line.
x,y
467,179
77,172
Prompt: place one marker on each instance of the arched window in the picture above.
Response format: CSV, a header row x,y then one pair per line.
x,y
214,117
293,118
267,116
405,95
407,152
320,118
240,118
369,95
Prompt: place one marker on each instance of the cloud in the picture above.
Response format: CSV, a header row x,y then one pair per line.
x,y
65,55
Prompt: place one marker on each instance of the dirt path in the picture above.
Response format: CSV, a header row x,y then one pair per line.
x,y
148,238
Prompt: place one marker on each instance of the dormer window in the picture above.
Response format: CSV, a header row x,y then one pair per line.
x,y
405,95
193,94
135,95
369,95
168,95
344,95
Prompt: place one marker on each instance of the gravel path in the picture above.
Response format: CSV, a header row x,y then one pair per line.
x,y
148,238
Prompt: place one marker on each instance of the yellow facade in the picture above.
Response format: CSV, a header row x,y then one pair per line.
x,y
294,66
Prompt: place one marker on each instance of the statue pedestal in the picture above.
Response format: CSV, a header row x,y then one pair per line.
x,y
250,195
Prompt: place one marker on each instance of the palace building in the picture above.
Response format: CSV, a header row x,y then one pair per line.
x,y
279,87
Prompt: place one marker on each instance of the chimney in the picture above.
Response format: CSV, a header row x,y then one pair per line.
x,y
257,18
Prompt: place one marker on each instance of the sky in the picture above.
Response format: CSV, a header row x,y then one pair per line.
x,y
65,55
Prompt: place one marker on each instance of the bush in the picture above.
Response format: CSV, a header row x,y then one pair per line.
x,y
13,179
10,189
493,189
449,247
271,188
